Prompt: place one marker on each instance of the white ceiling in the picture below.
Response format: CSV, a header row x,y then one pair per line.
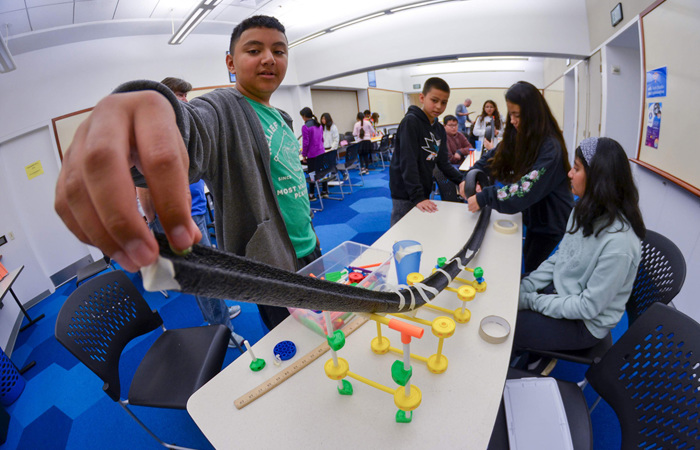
x,y
20,19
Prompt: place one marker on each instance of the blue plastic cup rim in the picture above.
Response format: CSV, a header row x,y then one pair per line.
x,y
406,247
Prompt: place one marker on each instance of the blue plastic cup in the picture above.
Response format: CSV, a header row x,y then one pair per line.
x,y
407,258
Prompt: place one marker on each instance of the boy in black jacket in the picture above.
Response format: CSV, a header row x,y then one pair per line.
x,y
421,142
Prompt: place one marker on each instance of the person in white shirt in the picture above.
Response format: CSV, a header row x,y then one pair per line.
x,y
331,137
489,114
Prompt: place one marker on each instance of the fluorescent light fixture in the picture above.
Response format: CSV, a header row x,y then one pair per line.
x,y
195,18
494,58
416,5
7,64
307,38
361,19
464,71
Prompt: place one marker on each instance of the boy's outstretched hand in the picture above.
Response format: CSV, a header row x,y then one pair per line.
x,y
427,206
95,194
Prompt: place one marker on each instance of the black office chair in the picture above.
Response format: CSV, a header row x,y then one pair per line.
x,y
327,172
104,314
351,162
575,407
382,150
660,276
93,269
650,379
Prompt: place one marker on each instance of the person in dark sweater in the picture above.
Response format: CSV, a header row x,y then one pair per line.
x,y
421,144
532,163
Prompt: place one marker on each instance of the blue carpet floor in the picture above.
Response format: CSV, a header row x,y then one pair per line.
x,y
63,405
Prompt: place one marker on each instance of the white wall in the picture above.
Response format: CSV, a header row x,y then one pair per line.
x,y
675,213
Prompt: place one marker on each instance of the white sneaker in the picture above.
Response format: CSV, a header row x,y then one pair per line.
x,y
234,311
239,339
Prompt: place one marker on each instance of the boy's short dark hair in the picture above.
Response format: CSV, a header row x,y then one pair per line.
x,y
258,21
449,118
367,112
177,84
435,83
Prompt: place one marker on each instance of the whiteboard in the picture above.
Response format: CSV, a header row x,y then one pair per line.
x,y
389,105
671,39
64,129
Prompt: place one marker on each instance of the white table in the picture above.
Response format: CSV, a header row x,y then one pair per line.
x,y
458,407
466,164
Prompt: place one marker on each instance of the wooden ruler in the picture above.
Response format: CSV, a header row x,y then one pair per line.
x,y
296,366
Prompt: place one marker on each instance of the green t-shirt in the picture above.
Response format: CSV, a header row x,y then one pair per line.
x,y
288,178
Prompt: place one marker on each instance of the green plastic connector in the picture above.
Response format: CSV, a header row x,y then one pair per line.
x,y
347,388
399,374
441,261
257,365
337,340
478,272
402,417
334,276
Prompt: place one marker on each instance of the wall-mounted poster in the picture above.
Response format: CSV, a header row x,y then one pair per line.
x,y
656,82
653,125
372,78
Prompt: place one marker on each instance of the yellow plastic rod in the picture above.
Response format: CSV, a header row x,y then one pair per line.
x,y
374,384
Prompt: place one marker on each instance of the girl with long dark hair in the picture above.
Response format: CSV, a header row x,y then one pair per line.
x,y
364,132
578,294
331,137
489,116
312,147
532,163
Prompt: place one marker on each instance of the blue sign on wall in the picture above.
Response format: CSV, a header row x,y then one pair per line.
x,y
656,82
372,78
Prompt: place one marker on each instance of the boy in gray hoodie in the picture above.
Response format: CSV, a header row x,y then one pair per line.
x,y
232,138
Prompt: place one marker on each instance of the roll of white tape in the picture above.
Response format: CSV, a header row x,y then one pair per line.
x,y
505,226
494,329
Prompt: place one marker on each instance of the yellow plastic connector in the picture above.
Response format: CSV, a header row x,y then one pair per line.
x,y
407,403
336,372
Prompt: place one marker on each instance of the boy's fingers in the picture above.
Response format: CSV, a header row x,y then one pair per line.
x,y
165,166
74,205
115,223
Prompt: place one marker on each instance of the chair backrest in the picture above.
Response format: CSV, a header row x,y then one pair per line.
x,y
352,155
384,144
327,165
650,378
97,321
660,275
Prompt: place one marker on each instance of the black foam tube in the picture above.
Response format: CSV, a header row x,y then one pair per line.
x,y
213,273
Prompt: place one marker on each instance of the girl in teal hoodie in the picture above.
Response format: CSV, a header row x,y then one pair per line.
x,y
575,297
